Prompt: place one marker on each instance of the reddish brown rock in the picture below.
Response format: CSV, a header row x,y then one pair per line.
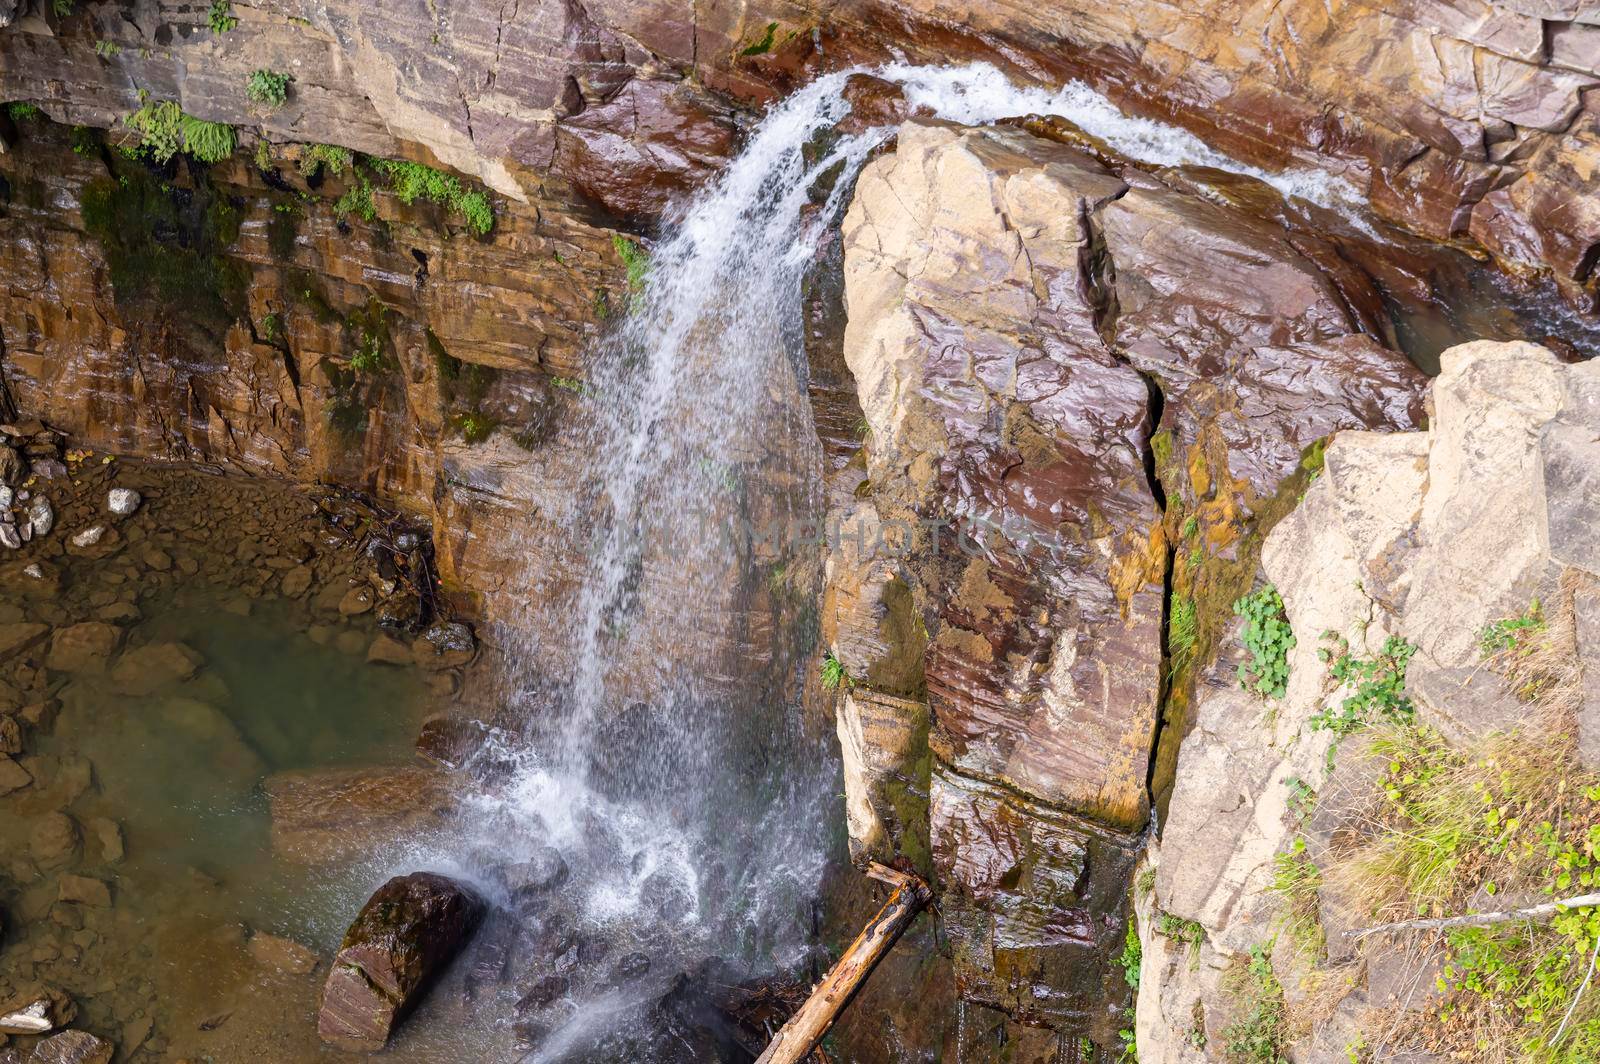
x,y
404,936
641,148
336,814
85,648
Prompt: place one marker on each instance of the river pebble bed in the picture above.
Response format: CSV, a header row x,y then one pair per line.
x,y
185,665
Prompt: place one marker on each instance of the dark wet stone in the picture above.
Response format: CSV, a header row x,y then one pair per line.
x,y
405,934
543,992
444,645
545,870
631,966
449,740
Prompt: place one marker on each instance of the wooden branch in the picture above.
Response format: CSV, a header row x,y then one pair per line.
x,y
806,1027
1540,913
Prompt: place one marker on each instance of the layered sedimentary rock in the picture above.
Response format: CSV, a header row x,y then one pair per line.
x,y
222,316
1423,536
1032,335
1457,118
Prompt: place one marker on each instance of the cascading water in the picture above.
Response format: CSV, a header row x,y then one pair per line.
x,y
664,757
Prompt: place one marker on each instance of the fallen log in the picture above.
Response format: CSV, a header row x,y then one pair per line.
x,y
806,1027
1535,913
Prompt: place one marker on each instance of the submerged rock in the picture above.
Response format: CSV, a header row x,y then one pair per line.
x,y
73,1047
444,645
405,935
84,648
149,668
122,501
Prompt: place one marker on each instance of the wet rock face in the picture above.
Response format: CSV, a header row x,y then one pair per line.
x,y
1493,136
478,332
404,936
1019,316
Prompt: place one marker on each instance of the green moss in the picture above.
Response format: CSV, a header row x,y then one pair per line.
x,y
764,44
165,245
371,344
22,111
474,426
634,257
306,288
281,227
1182,631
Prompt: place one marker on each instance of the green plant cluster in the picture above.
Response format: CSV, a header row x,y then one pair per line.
x,y
220,17
834,674
1297,880
63,8
1268,638
1129,960
474,425
329,156
1181,930
357,199
635,258
107,49
22,111
1182,631
1514,815
268,87
412,181
1511,635
1380,685
1260,1033
164,130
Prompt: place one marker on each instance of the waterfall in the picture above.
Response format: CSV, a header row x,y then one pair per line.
x,y
665,758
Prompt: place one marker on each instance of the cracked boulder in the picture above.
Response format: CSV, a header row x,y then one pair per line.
x,y
404,936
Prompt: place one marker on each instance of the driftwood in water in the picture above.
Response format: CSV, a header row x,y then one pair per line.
x,y
805,1028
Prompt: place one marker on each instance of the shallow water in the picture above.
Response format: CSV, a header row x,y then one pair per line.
x,y
183,960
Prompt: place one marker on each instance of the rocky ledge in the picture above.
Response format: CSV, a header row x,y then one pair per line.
x,y
1441,587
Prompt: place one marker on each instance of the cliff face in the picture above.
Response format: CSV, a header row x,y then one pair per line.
x,y
1403,554
1034,362
1456,118
231,316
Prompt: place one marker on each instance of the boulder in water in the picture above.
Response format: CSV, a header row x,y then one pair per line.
x,y
405,935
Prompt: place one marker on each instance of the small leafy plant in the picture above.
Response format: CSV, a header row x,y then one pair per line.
x,y
268,87
21,111
834,674
1181,930
474,426
1512,634
1269,639
357,199
1260,1033
164,130
1297,880
635,258
325,156
220,17
106,49
412,181
1379,682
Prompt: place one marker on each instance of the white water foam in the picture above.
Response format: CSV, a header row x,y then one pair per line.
x,y
980,94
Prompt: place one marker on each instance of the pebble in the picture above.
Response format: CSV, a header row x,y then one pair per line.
x,y
89,536
41,516
123,501
9,536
